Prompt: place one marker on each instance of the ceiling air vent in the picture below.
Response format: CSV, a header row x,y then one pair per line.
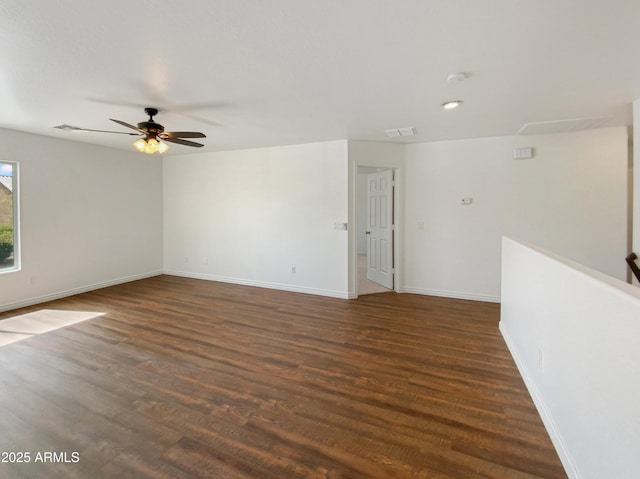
x,y
562,126
398,132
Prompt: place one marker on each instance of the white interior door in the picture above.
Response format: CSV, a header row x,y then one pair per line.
x,y
380,228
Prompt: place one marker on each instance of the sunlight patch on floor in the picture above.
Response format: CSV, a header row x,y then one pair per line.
x,y
365,286
38,322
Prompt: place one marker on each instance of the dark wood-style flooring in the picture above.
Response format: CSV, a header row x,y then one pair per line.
x,y
184,378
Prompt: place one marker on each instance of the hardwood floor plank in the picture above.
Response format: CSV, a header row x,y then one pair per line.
x,y
188,378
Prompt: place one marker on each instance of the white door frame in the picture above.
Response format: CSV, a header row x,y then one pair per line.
x,y
398,213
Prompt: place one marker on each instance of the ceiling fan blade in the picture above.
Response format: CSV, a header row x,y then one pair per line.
x,y
109,131
65,127
182,134
183,142
120,122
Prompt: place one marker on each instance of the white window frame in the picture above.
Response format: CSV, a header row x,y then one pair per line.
x,y
15,193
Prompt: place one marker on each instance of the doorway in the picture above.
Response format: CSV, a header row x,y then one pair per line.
x,y
375,230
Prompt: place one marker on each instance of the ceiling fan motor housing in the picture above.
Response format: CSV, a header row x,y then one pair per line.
x,y
151,127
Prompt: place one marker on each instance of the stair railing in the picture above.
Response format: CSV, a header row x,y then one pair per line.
x,y
631,261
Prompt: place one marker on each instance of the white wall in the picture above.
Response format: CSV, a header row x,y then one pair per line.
x,y
255,214
89,217
574,335
570,198
249,216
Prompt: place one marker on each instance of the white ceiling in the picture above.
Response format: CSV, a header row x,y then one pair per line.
x,y
252,73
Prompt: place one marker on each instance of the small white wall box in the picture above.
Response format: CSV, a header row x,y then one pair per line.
x,y
524,153
466,201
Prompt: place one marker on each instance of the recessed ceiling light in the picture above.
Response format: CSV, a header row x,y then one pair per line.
x,y
450,105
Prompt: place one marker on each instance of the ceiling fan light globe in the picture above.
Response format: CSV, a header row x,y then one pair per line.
x,y
140,144
152,146
162,147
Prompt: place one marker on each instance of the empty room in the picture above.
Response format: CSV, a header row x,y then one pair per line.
x,y
298,239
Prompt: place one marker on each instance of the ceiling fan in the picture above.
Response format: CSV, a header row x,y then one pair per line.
x,y
155,138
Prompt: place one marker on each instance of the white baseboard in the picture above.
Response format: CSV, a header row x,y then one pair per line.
x,y
547,418
224,279
78,290
452,294
261,284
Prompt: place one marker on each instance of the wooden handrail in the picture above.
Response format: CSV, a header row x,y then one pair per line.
x,y
631,261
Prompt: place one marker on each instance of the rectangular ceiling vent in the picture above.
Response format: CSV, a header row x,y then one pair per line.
x,y
398,132
562,126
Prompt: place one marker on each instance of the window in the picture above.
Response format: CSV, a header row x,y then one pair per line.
x,y
9,245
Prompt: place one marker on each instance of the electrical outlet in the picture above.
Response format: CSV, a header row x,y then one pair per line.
x,y
466,201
